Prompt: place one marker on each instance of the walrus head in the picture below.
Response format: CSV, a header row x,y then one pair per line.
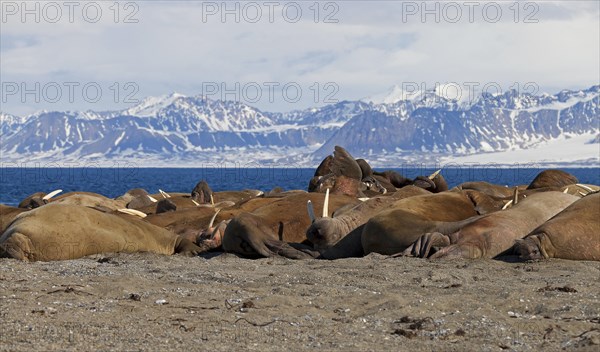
x,y
165,205
530,248
211,237
33,201
202,193
344,175
38,199
323,232
434,183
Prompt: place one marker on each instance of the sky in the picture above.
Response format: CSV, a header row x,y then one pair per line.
x,y
283,56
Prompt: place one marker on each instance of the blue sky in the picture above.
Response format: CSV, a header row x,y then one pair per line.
x,y
354,50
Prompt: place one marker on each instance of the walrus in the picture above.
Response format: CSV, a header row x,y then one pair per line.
x,y
165,205
373,185
325,232
237,196
137,198
574,234
61,232
340,236
435,183
89,199
33,201
204,225
283,220
397,227
170,202
37,199
7,215
344,177
493,234
395,178
493,190
580,189
132,193
552,178
202,193
393,230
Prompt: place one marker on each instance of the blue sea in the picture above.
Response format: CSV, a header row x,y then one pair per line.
x,y
18,183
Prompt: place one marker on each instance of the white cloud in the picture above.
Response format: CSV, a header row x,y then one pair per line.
x,y
370,49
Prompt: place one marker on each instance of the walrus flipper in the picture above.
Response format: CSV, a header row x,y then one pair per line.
x,y
456,251
186,247
17,246
421,247
288,250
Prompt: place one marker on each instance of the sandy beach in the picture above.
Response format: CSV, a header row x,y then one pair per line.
x,y
148,302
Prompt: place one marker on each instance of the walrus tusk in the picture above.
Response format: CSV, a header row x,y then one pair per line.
x,y
585,187
433,175
566,190
583,194
196,203
326,204
516,196
311,211
364,199
152,199
51,194
164,194
212,199
508,204
212,220
132,212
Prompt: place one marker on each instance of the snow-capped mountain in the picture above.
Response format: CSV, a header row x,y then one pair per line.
x,y
10,123
179,130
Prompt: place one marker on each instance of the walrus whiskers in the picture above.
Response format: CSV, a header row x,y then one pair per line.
x,y
326,204
311,211
132,212
52,194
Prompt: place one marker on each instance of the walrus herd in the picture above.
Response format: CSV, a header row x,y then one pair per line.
x,y
360,211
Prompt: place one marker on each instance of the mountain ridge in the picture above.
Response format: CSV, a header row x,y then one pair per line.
x,y
178,129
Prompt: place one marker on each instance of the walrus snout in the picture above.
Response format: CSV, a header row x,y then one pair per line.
x,y
202,193
529,249
314,235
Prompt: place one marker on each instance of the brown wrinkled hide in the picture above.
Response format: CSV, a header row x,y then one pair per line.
x,y
572,234
33,201
7,215
392,231
60,232
285,219
497,232
326,232
552,178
